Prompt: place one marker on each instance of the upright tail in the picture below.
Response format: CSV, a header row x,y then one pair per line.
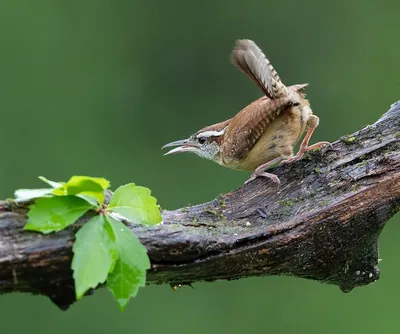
x,y
249,58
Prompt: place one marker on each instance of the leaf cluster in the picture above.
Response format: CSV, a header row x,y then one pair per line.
x,y
105,249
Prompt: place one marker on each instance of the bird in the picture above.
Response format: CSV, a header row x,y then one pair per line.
x,y
262,134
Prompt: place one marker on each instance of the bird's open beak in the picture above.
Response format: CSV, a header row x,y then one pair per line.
x,y
183,146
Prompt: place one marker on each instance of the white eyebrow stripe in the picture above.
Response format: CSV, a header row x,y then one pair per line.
x,y
211,133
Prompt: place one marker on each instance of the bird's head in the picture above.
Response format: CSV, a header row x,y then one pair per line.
x,y
205,143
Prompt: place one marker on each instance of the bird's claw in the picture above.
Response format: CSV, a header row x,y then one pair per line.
x,y
300,154
272,177
291,159
320,145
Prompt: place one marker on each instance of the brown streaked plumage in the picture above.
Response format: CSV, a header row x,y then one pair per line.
x,y
264,132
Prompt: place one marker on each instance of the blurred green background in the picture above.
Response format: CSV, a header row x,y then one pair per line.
x,y
97,87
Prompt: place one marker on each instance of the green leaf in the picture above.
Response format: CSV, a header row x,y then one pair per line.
x,y
55,213
78,180
90,199
135,204
130,269
86,187
95,254
28,194
51,183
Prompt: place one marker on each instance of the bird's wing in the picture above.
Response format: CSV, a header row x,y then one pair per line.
x,y
249,58
244,129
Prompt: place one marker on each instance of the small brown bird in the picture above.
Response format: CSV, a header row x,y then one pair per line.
x,y
263,133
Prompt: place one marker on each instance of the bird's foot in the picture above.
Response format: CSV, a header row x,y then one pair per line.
x,y
301,152
291,159
257,174
319,145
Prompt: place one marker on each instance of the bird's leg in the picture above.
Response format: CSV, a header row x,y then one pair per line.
x,y
260,171
304,147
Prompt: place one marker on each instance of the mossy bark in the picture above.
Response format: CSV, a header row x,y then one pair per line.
x,y
322,224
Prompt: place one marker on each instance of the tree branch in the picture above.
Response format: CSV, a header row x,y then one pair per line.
x,y
322,224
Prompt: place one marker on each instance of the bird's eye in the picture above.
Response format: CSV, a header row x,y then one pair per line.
x,y
201,140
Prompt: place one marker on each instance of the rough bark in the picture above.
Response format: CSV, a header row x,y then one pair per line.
x,y
322,224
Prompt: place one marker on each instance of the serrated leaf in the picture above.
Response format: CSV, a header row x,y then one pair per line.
x,y
95,254
28,194
88,187
90,199
51,183
53,214
77,180
136,204
130,269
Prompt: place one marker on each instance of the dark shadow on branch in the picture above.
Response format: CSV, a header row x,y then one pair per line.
x,y
322,224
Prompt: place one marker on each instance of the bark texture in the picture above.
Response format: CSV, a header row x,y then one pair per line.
x,y
322,224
